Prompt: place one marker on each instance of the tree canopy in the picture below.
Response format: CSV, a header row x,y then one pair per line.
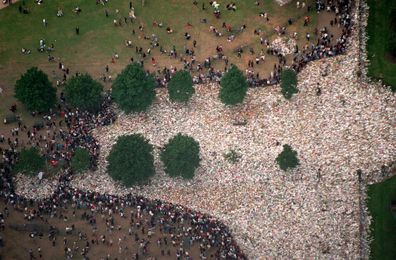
x,y
392,33
35,91
288,83
84,93
287,158
233,86
180,87
30,162
81,160
181,156
131,160
133,89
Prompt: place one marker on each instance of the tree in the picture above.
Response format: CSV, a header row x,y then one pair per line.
x,y
84,93
232,156
392,33
392,43
180,87
29,162
133,89
131,160
287,158
81,160
288,83
35,91
181,156
233,86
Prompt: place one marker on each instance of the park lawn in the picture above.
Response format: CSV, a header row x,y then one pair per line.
x,y
91,50
383,227
378,28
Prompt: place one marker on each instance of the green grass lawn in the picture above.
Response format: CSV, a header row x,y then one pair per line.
x,y
383,228
378,28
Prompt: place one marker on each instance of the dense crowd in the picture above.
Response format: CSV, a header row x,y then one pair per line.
x,y
204,230
263,223
59,133
204,72
59,144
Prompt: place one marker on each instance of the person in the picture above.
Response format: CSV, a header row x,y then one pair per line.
x,y
13,108
77,30
59,13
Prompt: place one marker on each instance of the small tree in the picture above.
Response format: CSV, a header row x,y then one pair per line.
x,y
287,158
133,89
232,156
288,83
131,160
180,87
81,160
30,162
181,156
84,93
233,87
35,91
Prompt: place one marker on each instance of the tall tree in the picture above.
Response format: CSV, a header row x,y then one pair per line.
x,y
35,91
180,87
84,93
287,158
233,86
181,156
133,89
131,160
81,160
288,83
30,162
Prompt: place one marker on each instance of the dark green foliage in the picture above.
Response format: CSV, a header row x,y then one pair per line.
x,y
233,87
133,90
181,156
392,44
381,41
30,162
287,158
80,160
180,87
35,91
131,160
288,83
383,224
84,93
392,33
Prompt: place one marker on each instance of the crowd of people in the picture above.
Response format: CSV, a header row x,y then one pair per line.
x,y
57,140
213,237
321,46
67,129
324,47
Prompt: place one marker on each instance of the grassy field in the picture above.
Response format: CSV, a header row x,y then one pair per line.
x,y
382,65
99,39
383,228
